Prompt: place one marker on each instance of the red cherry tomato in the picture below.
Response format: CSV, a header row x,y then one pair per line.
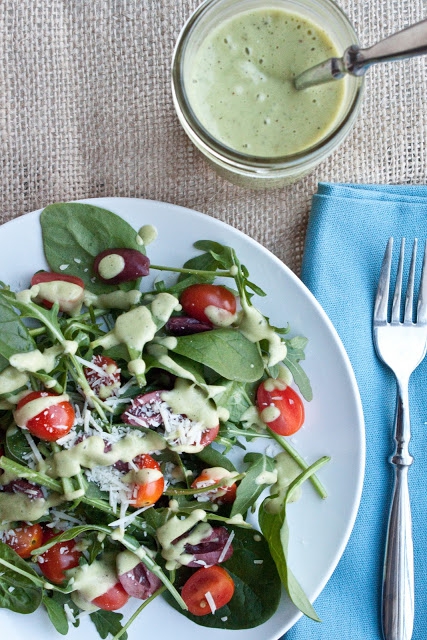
x,y
222,495
214,580
51,422
147,493
197,297
60,558
281,407
104,380
53,289
24,539
115,598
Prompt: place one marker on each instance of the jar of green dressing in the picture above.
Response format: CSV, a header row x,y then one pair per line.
x,y
232,79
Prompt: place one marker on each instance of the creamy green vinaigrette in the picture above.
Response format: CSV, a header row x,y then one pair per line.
x,y
240,84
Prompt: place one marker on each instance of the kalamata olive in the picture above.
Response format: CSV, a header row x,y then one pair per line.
x,y
210,549
135,578
21,485
114,266
184,326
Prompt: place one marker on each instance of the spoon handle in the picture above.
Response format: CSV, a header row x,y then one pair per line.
x,y
407,43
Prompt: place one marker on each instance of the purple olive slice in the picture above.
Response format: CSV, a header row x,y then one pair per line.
x,y
186,326
135,578
114,266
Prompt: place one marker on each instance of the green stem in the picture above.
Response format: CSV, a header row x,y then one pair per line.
x,y
317,485
42,583
138,611
237,523
224,482
39,331
306,475
24,472
196,272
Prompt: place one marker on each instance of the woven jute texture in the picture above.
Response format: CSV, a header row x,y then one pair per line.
x,y
86,111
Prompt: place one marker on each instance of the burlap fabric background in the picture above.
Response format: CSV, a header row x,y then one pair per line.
x,y
86,111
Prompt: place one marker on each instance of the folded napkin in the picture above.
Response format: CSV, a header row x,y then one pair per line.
x,y
347,233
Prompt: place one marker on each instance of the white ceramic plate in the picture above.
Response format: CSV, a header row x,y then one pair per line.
x,y
334,421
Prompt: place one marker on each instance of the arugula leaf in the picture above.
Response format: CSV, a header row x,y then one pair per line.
x,y
56,614
202,262
252,485
275,528
107,622
74,233
295,353
17,590
234,398
226,351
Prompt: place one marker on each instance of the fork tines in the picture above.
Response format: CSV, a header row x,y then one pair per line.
x,y
382,299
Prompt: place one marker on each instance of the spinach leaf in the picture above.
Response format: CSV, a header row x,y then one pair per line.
x,y
14,336
56,614
252,485
17,446
225,351
107,622
73,235
193,369
214,458
17,591
257,585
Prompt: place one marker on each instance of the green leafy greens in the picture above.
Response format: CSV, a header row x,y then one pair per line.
x,y
223,365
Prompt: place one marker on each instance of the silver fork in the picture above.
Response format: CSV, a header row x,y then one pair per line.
x,y
401,346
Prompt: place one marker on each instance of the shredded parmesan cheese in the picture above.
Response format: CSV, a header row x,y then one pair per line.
x,y
210,601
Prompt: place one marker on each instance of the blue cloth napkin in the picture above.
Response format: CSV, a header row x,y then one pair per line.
x,y
347,233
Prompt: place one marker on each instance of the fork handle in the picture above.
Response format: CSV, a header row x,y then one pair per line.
x,y
398,577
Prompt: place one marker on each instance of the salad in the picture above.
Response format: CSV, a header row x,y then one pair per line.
x,y
125,415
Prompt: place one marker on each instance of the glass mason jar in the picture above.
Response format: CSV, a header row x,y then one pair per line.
x,y
261,170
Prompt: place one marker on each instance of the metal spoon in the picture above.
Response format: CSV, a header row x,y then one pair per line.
x,y
408,43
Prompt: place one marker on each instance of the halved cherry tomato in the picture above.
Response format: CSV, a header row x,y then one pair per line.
x,y
66,290
104,380
212,475
147,493
213,580
59,558
209,435
280,406
24,539
52,422
113,599
197,297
